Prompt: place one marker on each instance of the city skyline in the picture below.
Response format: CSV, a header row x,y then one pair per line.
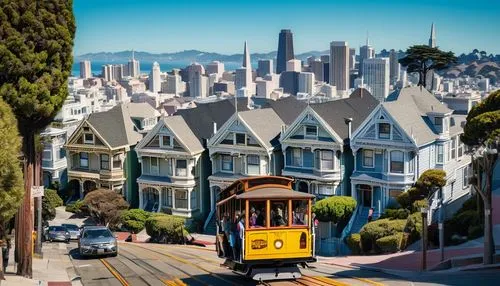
x,y
163,27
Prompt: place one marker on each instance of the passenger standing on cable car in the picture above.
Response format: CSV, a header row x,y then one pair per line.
x,y
241,234
234,234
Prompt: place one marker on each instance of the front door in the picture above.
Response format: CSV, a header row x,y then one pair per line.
x,y
367,198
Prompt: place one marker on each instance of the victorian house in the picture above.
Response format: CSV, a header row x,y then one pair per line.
x,y
100,153
54,157
316,145
403,137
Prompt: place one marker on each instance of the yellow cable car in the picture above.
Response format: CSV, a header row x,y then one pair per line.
x,y
264,228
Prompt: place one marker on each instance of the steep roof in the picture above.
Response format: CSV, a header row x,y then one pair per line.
x,y
421,98
115,126
265,123
287,108
183,133
141,110
357,106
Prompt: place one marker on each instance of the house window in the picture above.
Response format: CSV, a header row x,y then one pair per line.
x,y
62,153
240,139
104,162
227,163
165,141
84,160
194,200
438,122
181,168
325,190
384,130
155,168
467,170
411,163
170,168
324,160
252,142
253,165
460,149
167,197
311,131
368,158
453,148
181,201
47,155
397,162
440,154
88,138
296,157
117,162
228,140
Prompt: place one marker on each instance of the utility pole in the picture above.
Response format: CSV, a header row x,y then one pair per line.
x,y
38,179
441,223
424,238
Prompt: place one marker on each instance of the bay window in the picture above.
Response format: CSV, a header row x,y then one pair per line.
x,y
397,162
117,162
368,158
324,160
453,148
296,157
253,165
227,163
155,166
84,160
181,168
104,162
181,200
440,154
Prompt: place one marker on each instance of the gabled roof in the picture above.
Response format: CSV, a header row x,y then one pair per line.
x,y
357,106
264,123
287,108
142,110
115,126
421,98
183,133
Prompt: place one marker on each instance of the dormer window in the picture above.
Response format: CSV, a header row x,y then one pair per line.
x,y
438,122
88,138
311,131
165,141
240,138
384,130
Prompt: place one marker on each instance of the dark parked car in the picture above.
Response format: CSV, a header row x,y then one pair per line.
x,y
57,233
74,230
97,240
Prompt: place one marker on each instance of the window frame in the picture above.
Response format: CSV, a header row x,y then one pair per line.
x,y
440,154
236,134
306,135
117,159
293,157
162,142
380,132
177,169
178,201
320,156
411,162
47,158
253,164
401,163
466,174
101,161
193,198
157,170
85,141
230,161
364,156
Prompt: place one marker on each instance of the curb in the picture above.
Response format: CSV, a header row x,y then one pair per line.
x,y
398,273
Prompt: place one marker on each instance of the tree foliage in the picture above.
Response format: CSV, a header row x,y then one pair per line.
x,y
36,42
483,122
337,209
105,206
422,58
11,184
50,202
134,219
425,185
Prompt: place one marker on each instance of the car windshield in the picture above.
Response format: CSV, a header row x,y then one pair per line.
x,y
57,228
71,227
97,233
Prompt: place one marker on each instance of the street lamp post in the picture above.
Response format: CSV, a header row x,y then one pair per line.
x,y
424,238
441,223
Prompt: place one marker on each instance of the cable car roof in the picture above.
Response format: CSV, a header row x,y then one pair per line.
x,y
274,193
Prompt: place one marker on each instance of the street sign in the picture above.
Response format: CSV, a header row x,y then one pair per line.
x,y
37,191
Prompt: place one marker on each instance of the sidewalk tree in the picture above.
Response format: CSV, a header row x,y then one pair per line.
x,y
422,58
105,206
11,184
482,135
36,43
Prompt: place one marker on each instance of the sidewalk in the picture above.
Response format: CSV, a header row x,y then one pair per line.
x,y
54,269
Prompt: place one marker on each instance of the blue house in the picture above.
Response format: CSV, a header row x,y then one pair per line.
x,y
403,137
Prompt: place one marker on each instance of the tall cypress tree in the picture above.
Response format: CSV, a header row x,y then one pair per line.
x,y
36,42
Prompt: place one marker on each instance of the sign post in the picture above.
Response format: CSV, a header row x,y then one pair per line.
x,y
37,192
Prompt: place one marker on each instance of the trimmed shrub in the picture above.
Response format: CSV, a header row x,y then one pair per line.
x,y
354,243
418,205
378,229
404,200
414,227
165,228
469,205
53,198
395,214
75,207
50,202
390,243
133,220
336,209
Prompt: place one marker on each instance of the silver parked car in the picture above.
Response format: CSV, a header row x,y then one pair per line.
x,y
74,230
97,240
57,233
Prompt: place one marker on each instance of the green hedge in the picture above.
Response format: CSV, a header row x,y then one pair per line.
x,y
336,209
414,227
395,214
354,243
134,220
418,205
53,198
404,200
165,228
75,207
390,243
378,229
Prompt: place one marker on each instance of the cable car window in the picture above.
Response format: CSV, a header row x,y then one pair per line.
x,y
279,213
257,214
300,212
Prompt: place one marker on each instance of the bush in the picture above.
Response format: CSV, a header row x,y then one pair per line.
x,y
75,207
378,229
105,206
404,200
354,243
475,231
390,243
165,228
53,198
418,205
414,227
134,220
337,209
395,214
50,202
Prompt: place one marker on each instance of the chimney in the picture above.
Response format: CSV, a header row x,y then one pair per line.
x,y
215,128
283,129
348,121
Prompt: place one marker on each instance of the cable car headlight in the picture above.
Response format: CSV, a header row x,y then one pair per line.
x,y
278,244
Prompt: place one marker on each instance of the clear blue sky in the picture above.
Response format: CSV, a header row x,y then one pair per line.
x,y
223,25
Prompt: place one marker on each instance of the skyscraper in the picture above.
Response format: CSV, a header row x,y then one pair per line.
x,y
432,38
365,52
294,65
85,69
246,57
198,86
134,68
376,77
285,50
243,75
306,83
352,58
265,67
107,72
155,78
316,67
215,67
394,66
118,72
339,65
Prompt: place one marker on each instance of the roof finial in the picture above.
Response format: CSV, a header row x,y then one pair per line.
x,y
367,38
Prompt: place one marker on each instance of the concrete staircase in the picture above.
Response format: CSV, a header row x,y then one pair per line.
x,y
361,220
211,227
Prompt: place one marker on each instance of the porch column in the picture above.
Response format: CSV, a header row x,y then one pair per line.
x,y
141,206
189,190
173,198
81,189
354,192
160,200
212,199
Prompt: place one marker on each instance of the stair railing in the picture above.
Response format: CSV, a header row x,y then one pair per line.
x,y
347,228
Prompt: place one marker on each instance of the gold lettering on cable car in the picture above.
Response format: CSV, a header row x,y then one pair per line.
x,y
259,244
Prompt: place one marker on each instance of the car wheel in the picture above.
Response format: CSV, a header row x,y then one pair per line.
x,y
114,254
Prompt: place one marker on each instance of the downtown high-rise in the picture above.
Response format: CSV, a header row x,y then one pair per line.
x,y
339,65
376,77
285,50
